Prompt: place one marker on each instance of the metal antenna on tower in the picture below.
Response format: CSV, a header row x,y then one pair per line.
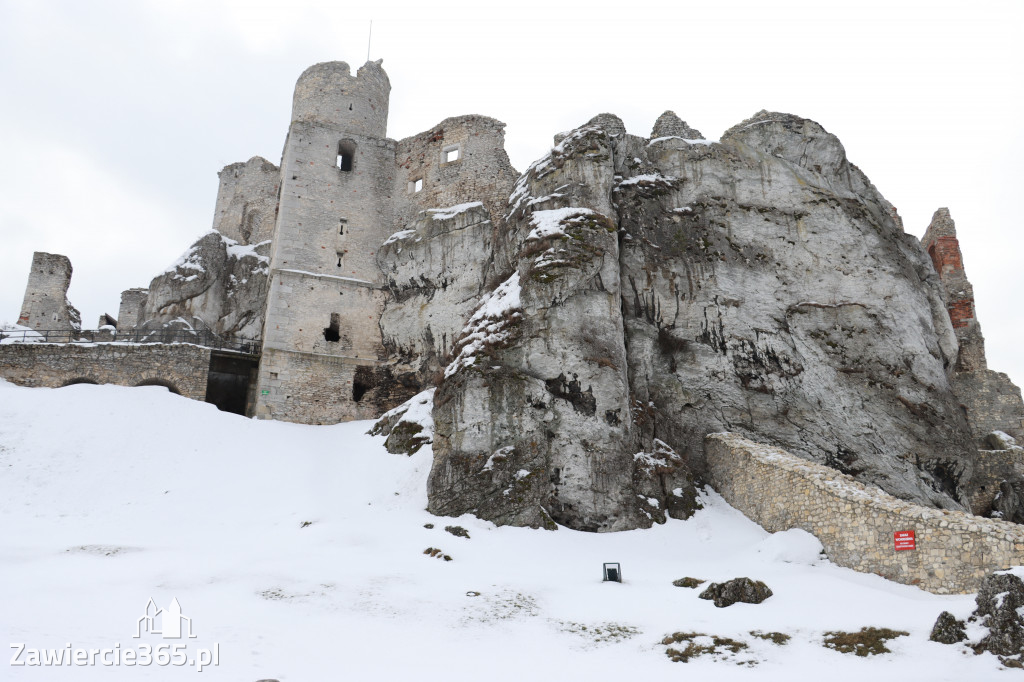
x,y
368,38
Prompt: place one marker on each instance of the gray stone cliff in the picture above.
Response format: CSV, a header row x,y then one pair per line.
x,y
670,287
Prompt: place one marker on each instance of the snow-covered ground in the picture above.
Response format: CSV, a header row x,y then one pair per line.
x,y
298,554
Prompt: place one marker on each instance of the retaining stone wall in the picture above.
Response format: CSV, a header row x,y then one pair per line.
x,y
51,365
855,522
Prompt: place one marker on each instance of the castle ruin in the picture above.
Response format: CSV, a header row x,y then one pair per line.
x,y
587,323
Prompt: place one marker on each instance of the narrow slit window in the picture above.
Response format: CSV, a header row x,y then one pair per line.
x,y
339,259
341,225
332,333
346,155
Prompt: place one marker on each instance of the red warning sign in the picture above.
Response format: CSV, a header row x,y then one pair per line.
x,y
904,540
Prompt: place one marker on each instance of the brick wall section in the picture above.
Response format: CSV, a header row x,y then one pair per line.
x,y
855,522
182,366
247,201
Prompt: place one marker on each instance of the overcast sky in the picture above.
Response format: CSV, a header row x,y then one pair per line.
x,y
116,116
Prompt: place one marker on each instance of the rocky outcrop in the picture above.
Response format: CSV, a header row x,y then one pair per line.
x,y
998,619
436,272
217,285
671,287
769,289
998,609
408,427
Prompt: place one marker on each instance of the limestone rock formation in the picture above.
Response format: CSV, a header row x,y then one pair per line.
x,y
670,287
437,270
533,419
218,284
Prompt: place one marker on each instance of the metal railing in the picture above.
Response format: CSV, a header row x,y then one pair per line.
x,y
199,337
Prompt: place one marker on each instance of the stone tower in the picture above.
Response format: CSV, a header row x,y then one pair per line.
x,y
322,342
46,304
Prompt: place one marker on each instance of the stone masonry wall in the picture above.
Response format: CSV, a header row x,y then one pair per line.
x,y
181,367
247,201
482,171
325,297
46,305
991,401
855,522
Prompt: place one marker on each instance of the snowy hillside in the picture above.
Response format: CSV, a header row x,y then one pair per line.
x,y
298,554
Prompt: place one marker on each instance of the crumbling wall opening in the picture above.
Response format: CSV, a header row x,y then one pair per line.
x,y
362,382
332,333
160,382
346,155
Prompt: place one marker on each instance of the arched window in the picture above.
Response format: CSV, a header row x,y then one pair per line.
x,y
346,155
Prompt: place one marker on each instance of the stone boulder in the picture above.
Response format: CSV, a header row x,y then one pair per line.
x,y
948,629
736,590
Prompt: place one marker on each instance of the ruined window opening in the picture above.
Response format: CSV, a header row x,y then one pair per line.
x,y
359,389
333,332
415,186
346,155
451,154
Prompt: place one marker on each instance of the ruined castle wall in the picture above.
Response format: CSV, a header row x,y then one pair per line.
x,y
181,367
46,305
855,522
992,467
247,201
991,401
131,312
481,171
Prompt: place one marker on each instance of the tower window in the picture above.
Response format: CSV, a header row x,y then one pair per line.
x,y
451,154
415,186
346,155
341,225
332,333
